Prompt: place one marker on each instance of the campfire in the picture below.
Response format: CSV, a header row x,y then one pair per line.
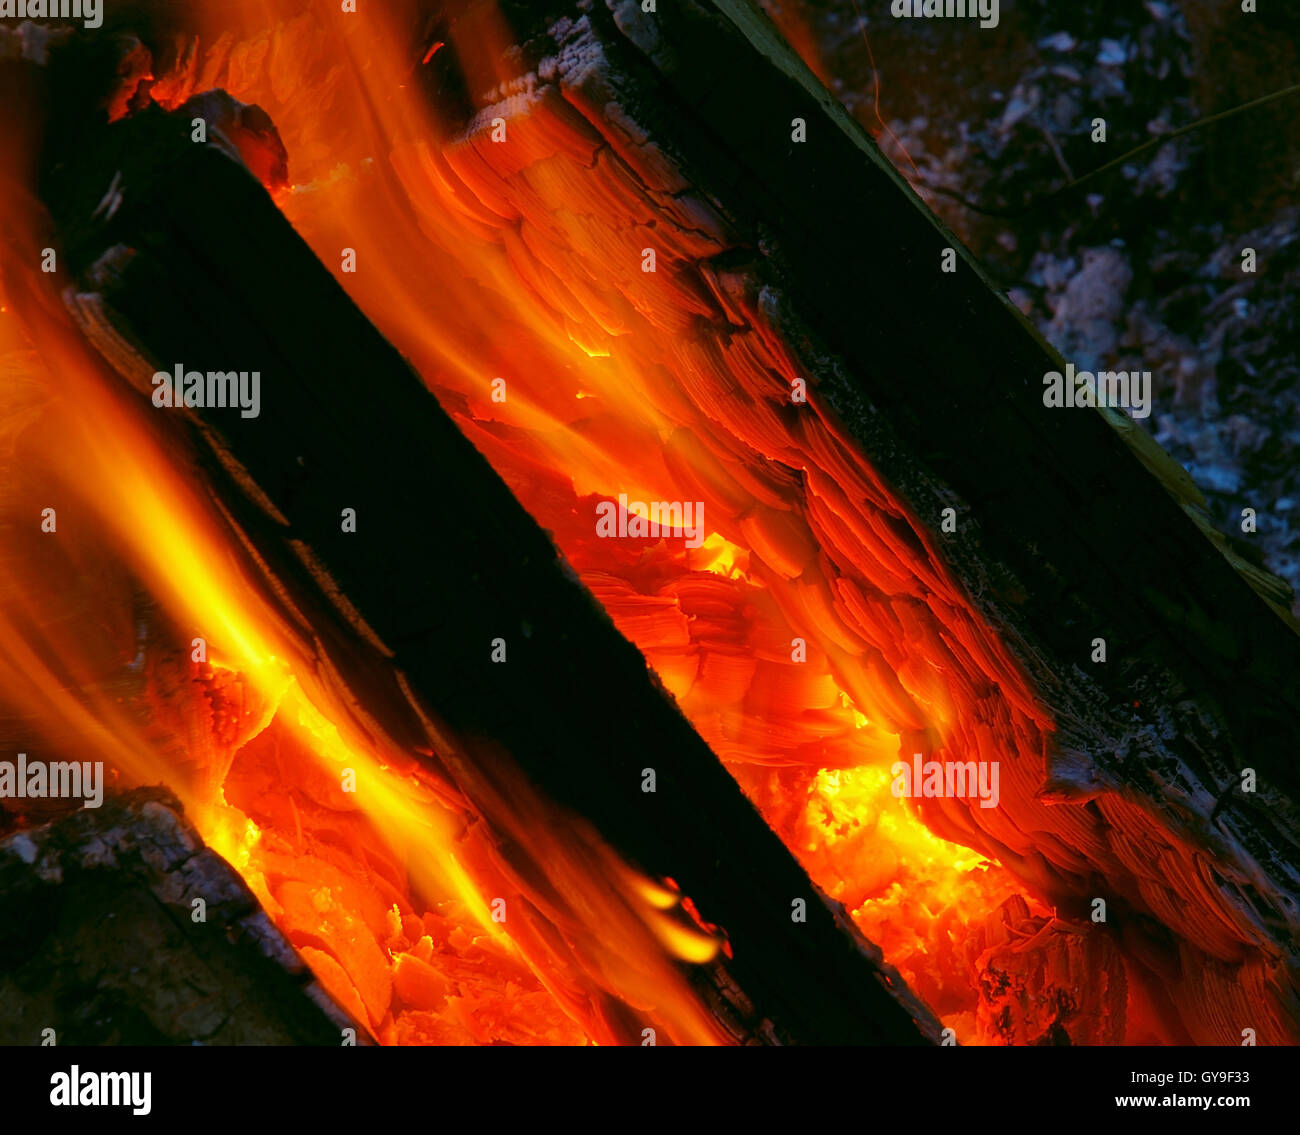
x,y
442,477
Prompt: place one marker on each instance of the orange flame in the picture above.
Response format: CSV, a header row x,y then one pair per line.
x,y
594,960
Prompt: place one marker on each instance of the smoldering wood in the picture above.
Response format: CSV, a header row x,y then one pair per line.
x,y
98,939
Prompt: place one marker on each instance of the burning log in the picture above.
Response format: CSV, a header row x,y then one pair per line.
x,y
883,533
117,926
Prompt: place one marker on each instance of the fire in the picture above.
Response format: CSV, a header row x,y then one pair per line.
x,y
392,889
909,890
815,637
812,639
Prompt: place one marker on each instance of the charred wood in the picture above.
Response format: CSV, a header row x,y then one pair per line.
x,y
117,926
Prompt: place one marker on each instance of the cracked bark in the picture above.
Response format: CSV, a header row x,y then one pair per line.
x,y
98,940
